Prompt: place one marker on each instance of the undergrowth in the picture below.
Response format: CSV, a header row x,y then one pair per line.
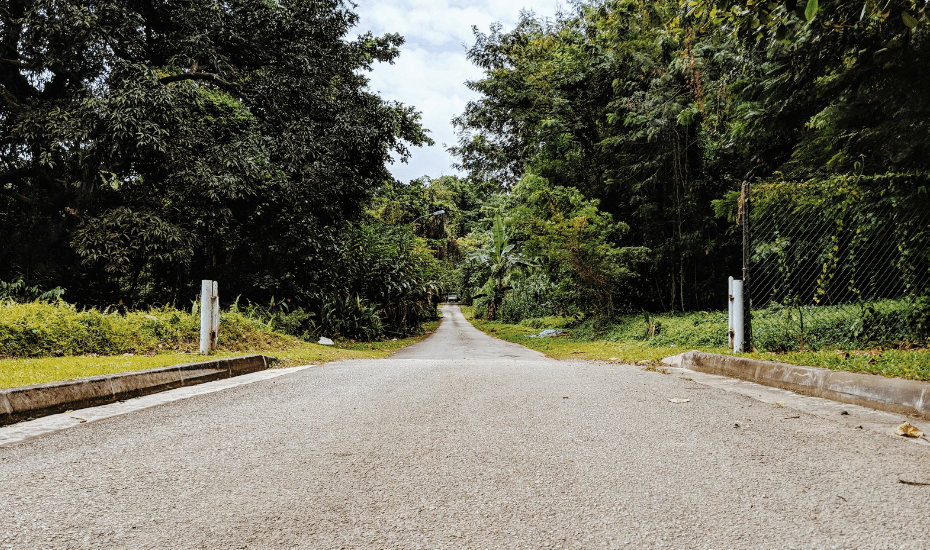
x,y
649,339
38,329
46,342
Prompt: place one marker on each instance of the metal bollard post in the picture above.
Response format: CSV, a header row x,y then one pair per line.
x,y
215,317
737,316
206,315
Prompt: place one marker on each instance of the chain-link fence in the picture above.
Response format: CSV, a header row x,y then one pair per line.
x,y
842,262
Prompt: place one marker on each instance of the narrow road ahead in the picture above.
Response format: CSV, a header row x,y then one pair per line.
x,y
464,442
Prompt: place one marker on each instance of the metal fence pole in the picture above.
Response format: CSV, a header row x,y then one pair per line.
x,y
738,311
747,307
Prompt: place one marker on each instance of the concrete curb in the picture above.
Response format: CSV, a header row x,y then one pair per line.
x,y
55,397
887,394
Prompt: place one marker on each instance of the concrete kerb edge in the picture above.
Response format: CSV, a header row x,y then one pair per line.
x,y
888,394
55,397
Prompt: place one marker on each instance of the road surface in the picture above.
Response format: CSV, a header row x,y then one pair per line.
x,y
463,441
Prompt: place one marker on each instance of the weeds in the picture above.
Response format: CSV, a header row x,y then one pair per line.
x,y
623,339
40,329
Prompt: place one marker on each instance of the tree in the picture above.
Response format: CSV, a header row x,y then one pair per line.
x,y
146,145
611,102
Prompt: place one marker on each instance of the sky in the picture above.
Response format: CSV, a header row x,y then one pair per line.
x,y
432,69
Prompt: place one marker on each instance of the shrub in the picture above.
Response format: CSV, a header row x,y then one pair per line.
x,y
57,328
351,318
879,323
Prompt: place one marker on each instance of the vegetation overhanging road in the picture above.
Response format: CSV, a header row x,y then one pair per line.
x,y
435,449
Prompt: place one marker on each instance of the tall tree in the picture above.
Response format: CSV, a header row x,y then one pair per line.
x,y
147,144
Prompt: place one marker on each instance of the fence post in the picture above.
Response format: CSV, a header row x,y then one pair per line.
x,y
746,323
206,316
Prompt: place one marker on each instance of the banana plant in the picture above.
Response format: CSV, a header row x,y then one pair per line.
x,y
502,258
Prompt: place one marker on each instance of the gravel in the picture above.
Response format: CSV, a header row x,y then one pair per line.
x,y
430,450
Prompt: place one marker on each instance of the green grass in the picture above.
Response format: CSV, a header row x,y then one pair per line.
x,y
57,342
625,342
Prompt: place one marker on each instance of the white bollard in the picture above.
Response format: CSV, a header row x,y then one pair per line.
x,y
730,331
737,316
206,316
215,318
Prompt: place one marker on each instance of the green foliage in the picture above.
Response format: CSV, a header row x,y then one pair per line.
x,y
660,111
870,324
622,341
145,147
572,234
499,260
18,291
350,318
279,316
918,317
611,102
528,299
840,240
57,328
394,272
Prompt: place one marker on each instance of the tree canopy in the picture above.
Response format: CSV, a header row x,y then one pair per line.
x,y
657,110
145,145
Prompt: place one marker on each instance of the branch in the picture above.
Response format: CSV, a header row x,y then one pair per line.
x,y
212,77
12,176
18,196
10,99
15,63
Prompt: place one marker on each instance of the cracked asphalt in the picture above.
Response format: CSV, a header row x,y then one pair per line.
x,y
463,441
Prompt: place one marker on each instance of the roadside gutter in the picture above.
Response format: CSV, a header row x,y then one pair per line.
x,y
28,402
895,395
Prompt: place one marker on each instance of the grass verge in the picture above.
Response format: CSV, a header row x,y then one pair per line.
x,y
288,350
626,344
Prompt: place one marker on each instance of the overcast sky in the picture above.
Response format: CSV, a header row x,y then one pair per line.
x,y
431,71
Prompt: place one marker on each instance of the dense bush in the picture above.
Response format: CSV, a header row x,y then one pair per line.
x,y
528,299
692,330
19,291
779,329
880,323
351,318
58,328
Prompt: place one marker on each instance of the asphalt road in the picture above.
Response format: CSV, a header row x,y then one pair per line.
x,y
463,442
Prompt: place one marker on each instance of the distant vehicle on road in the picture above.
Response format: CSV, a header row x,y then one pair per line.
x,y
452,298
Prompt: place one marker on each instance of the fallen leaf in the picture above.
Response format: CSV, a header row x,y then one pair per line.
x,y
907,430
678,400
780,403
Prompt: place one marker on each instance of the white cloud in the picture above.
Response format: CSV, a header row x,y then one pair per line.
x,y
431,71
